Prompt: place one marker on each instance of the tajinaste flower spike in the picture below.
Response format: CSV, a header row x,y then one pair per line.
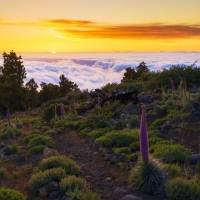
x,y
144,144
8,116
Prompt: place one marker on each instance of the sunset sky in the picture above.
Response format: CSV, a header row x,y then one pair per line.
x,y
99,25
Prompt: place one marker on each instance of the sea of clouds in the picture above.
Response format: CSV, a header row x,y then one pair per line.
x,y
94,70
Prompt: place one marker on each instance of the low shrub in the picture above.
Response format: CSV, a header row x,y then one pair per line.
x,y
183,189
29,137
122,150
133,157
45,128
41,140
148,176
135,146
171,153
53,131
121,138
36,150
72,183
10,194
154,133
3,173
35,132
173,170
40,179
14,148
65,163
9,132
98,132
133,122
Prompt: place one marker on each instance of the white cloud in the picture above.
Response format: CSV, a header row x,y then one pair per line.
x,y
94,70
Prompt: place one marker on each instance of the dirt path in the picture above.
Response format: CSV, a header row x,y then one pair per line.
x,y
108,180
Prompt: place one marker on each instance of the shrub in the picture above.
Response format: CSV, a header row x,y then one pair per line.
x,y
14,148
3,173
71,183
122,150
133,157
65,163
159,110
174,171
154,133
10,194
133,122
29,137
15,174
42,178
171,153
53,131
121,138
135,146
41,140
98,132
45,128
36,150
148,176
35,132
90,196
156,140
182,189
10,132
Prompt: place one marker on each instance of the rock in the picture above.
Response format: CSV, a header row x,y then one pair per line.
x,y
130,197
2,145
166,126
120,191
115,159
194,158
48,154
20,158
96,145
48,188
56,194
7,151
108,157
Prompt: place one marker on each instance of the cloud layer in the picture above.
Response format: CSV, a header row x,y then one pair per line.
x,y
94,70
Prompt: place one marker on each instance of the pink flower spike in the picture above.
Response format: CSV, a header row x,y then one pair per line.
x,y
144,144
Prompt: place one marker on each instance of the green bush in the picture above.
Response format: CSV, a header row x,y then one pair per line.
x,y
53,131
122,150
3,173
45,128
36,150
133,157
90,196
182,189
174,171
9,132
133,122
171,153
69,124
14,148
159,110
135,146
154,133
71,183
41,140
98,132
121,138
10,194
65,163
29,137
42,178
148,176
35,132
156,140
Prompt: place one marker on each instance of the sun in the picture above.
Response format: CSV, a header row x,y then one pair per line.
x,y
53,52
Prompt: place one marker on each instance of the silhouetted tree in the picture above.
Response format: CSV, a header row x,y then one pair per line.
x,y
11,79
129,76
32,93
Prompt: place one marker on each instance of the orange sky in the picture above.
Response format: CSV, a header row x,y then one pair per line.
x,y
99,25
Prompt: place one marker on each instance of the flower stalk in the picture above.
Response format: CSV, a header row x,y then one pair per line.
x,y
144,144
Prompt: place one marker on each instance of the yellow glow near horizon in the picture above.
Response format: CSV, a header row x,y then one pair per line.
x,y
99,26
